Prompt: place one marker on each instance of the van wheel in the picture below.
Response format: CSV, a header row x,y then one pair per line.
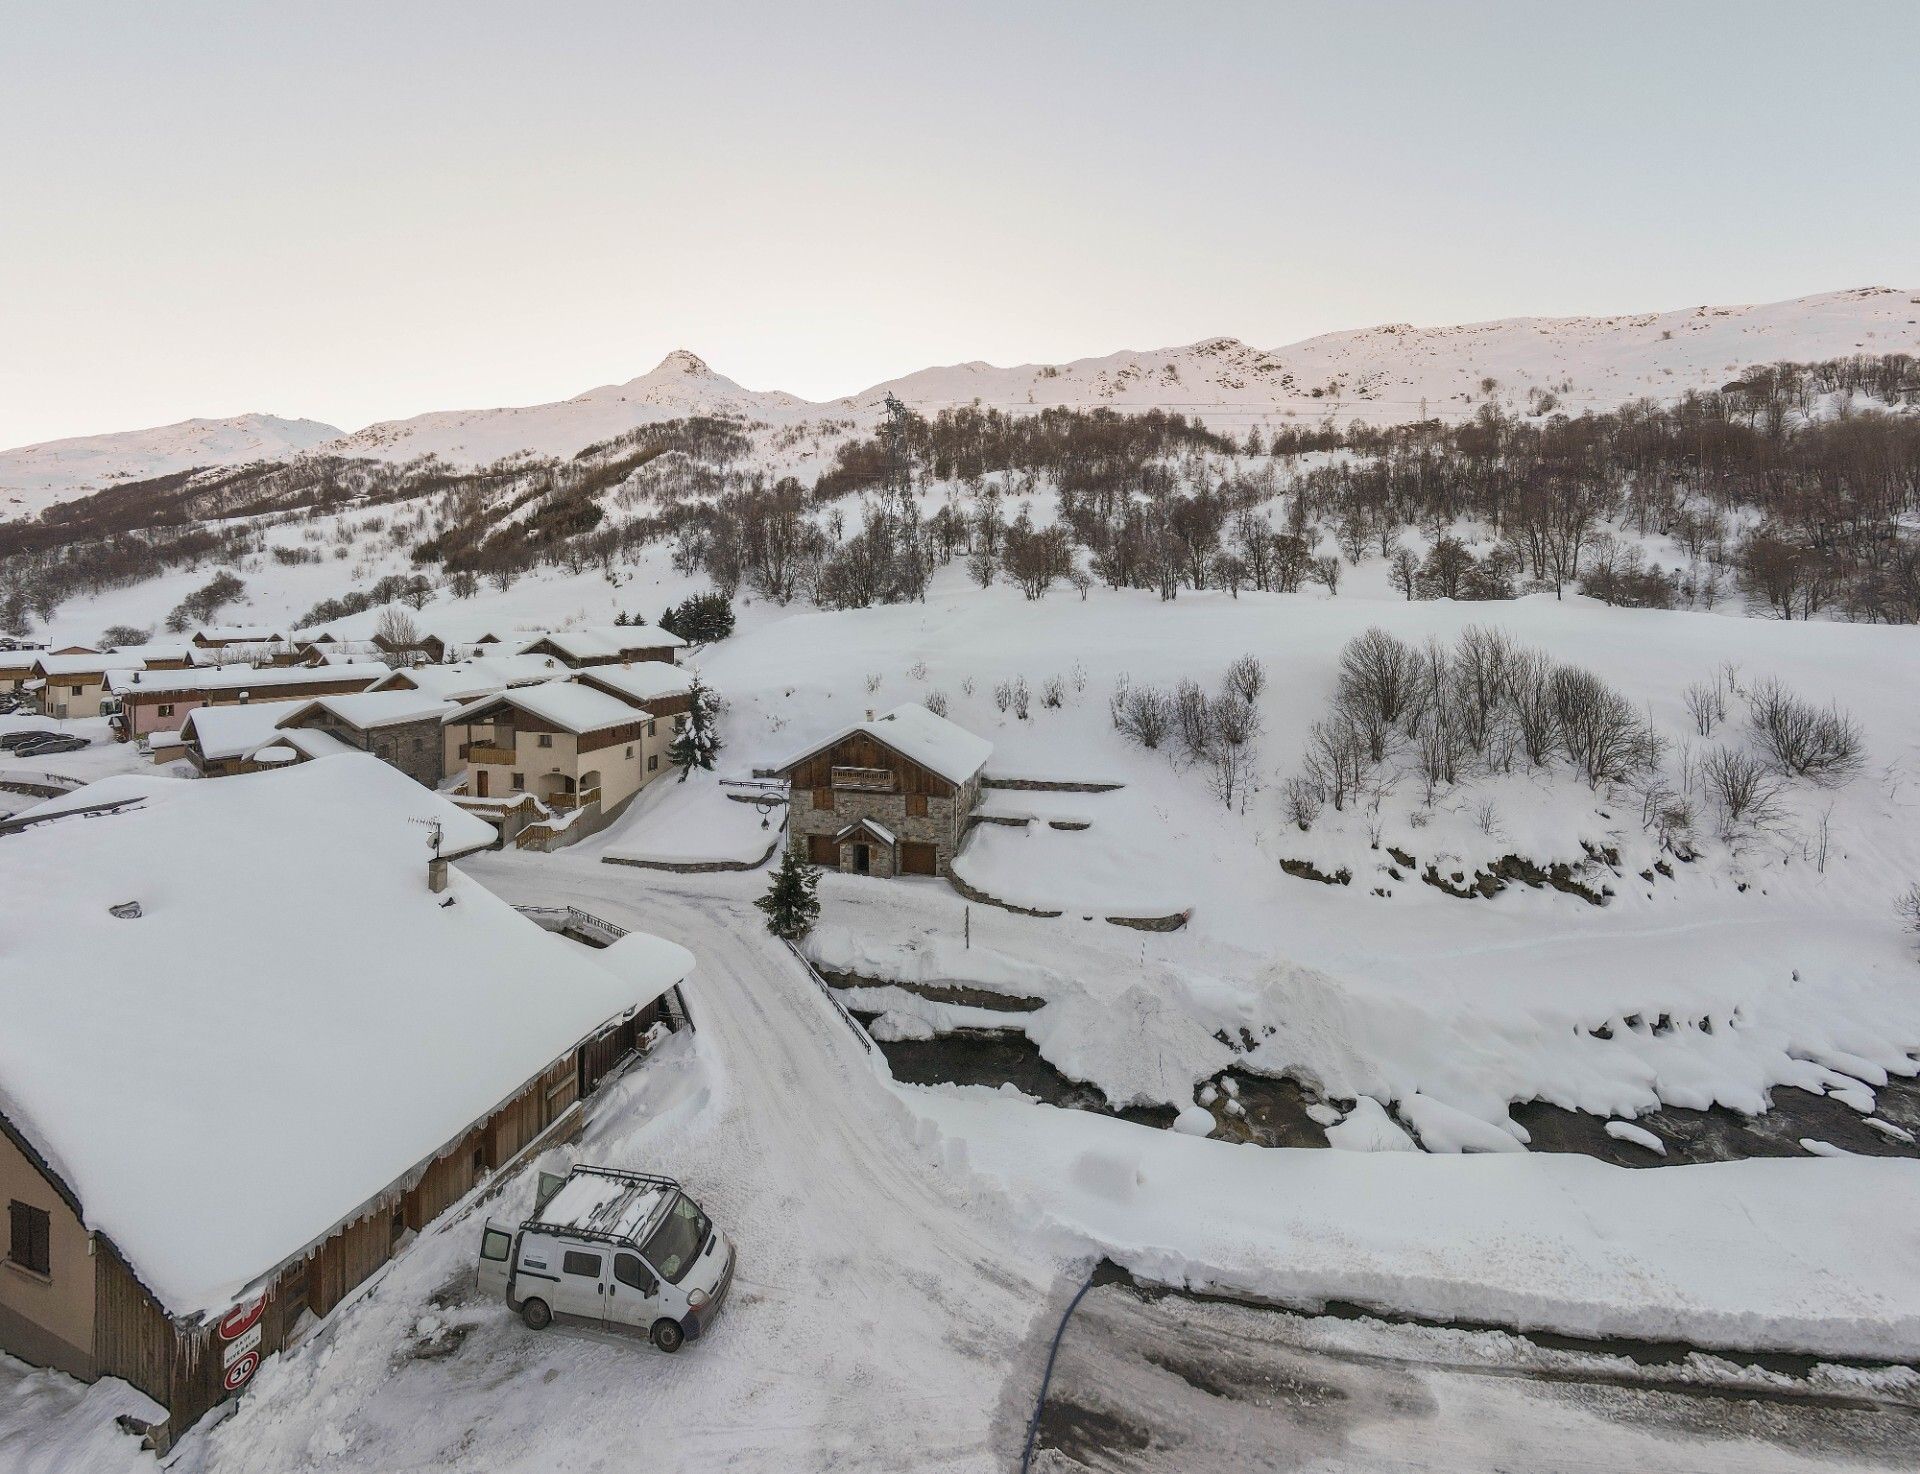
x,y
536,1314
668,1336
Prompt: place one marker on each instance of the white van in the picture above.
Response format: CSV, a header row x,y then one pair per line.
x,y
612,1248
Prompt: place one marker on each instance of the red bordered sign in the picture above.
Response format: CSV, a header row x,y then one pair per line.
x,y
241,1319
239,1373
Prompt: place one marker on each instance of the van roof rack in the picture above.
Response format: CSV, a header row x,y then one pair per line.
x,y
632,1180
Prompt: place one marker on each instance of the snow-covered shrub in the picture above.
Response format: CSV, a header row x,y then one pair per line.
x,y
1053,692
918,670
1246,678
1301,800
1801,739
1745,789
1707,705
936,703
1144,714
1194,716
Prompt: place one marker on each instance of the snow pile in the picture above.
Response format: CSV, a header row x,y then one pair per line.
x,y
690,823
1368,1128
1749,1255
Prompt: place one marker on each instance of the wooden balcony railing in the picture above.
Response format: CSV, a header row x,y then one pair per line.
x,y
482,752
574,800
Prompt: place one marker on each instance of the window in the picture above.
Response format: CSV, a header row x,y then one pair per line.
x,y
629,752
32,1238
916,806
546,739
79,690
166,708
519,781
653,762
495,1244
628,1269
676,1242
577,1262
650,726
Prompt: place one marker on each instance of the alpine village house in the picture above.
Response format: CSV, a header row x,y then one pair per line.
x,y
887,796
201,1156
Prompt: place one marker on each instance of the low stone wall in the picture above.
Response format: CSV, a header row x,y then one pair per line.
x,y
1050,785
694,867
1171,922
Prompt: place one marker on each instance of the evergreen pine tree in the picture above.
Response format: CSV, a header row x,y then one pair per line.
x,y
698,742
620,618
790,904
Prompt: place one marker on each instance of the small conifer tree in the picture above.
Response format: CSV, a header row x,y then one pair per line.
x,y
790,904
698,742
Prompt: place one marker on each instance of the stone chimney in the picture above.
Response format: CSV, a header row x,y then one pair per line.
x,y
436,875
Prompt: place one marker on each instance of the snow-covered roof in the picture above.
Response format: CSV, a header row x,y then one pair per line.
x,y
370,709
569,705
602,641
229,1076
80,665
477,677
644,681
227,634
251,677
222,732
152,653
307,741
938,745
873,826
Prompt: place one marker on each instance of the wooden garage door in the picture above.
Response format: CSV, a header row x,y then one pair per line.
x,y
821,851
916,859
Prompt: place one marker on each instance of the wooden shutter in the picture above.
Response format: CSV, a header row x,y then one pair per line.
x,y
821,850
31,1232
916,859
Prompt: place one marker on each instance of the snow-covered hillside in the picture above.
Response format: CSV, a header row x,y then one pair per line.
x,y
1380,375
37,476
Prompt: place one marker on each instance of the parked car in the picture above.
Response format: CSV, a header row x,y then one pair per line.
x,y
52,743
627,1250
15,740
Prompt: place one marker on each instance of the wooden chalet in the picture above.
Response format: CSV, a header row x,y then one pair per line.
x,y
144,1245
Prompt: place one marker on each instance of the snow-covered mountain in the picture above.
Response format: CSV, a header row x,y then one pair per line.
x,y
36,476
682,384
1382,375
1392,373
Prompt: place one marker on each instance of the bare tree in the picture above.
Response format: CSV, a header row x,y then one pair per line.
x,y
1246,678
1801,739
1745,789
1706,704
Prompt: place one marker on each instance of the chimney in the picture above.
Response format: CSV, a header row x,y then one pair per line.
x,y
869,713
436,875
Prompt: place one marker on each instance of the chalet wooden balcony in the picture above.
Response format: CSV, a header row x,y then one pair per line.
x,y
578,800
484,752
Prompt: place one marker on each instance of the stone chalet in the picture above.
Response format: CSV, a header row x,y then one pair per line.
x,y
887,796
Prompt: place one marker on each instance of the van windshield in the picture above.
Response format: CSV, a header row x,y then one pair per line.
x,y
676,1242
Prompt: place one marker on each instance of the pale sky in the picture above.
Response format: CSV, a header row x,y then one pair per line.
x,y
359,211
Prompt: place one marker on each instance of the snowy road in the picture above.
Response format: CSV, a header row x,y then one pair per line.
x,y
882,1314
1171,1384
